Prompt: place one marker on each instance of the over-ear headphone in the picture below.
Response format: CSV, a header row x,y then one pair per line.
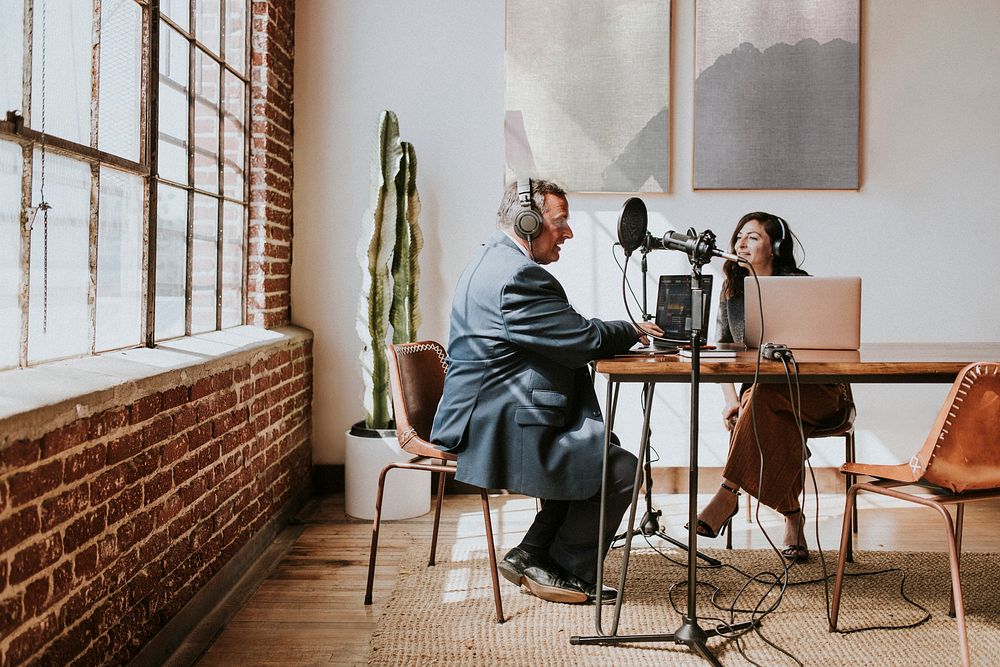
x,y
782,247
527,220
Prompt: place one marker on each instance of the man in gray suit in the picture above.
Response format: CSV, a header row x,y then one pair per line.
x,y
519,407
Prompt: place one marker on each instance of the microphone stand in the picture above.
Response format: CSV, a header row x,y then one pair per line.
x,y
649,524
689,633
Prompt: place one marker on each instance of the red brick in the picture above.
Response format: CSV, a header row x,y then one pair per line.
x,y
65,506
84,528
169,510
184,418
158,486
18,527
35,558
84,463
144,408
19,454
228,421
157,431
110,483
108,421
26,486
85,563
64,438
11,613
173,397
62,581
124,504
35,596
173,450
124,447
198,436
201,388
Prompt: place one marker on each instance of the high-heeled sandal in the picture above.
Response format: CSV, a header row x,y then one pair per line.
x,y
796,552
703,528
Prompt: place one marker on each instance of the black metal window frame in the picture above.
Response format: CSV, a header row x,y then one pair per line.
x,y
18,128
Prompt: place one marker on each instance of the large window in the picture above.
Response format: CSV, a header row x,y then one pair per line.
x,y
123,158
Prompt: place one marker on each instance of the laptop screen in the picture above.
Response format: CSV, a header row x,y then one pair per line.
x,y
804,312
673,307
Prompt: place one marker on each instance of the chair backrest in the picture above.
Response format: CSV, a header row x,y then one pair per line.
x,y
962,451
416,378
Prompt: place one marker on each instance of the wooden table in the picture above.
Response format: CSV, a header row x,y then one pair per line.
x,y
875,362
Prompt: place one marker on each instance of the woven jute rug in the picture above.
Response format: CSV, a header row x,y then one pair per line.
x,y
444,615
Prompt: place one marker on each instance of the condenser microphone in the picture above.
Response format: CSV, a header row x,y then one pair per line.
x,y
693,244
632,225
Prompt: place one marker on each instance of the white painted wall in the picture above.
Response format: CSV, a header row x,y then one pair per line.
x,y
922,231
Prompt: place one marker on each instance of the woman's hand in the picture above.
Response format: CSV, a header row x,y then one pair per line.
x,y
646,328
730,413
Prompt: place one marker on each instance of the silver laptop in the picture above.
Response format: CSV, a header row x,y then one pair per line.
x,y
804,312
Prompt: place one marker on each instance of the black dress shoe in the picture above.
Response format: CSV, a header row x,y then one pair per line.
x,y
516,561
609,596
549,582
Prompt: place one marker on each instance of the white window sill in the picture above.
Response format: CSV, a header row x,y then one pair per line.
x,y
34,398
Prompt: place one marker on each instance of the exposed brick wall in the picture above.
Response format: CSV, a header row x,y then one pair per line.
x,y
269,241
112,519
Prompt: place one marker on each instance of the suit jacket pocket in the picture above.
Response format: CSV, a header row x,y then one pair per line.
x,y
534,416
547,398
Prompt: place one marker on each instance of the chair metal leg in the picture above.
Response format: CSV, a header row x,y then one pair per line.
x,y
956,582
437,518
849,456
959,521
493,554
845,546
375,526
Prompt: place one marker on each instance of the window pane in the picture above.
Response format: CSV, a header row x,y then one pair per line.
x,y
11,56
67,45
173,107
206,122
121,59
119,261
203,263
207,23
178,10
233,136
10,252
234,216
236,34
67,330
171,260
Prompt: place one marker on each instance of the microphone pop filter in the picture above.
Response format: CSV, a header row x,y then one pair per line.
x,y
632,225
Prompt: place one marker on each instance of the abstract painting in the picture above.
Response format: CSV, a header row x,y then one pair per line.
x,y
776,94
587,93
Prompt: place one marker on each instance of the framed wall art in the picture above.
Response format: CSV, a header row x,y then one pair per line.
x,y
776,94
587,93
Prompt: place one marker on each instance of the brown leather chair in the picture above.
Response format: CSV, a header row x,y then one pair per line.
x,y
416,376
959,463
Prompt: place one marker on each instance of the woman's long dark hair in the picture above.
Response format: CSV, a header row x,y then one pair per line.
x,y
783,264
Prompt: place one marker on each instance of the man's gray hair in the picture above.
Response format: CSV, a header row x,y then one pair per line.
x,y
509,205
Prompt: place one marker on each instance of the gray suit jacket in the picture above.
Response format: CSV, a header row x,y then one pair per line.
x,y
519,407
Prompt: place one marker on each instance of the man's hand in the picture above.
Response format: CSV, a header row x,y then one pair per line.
x,y
644,329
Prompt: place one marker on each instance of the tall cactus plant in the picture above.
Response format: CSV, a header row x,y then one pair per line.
x,y
390,243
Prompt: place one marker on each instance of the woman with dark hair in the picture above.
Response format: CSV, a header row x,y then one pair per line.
x,y
765,241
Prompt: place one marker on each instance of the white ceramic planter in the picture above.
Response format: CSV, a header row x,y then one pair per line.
x,y
407,492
